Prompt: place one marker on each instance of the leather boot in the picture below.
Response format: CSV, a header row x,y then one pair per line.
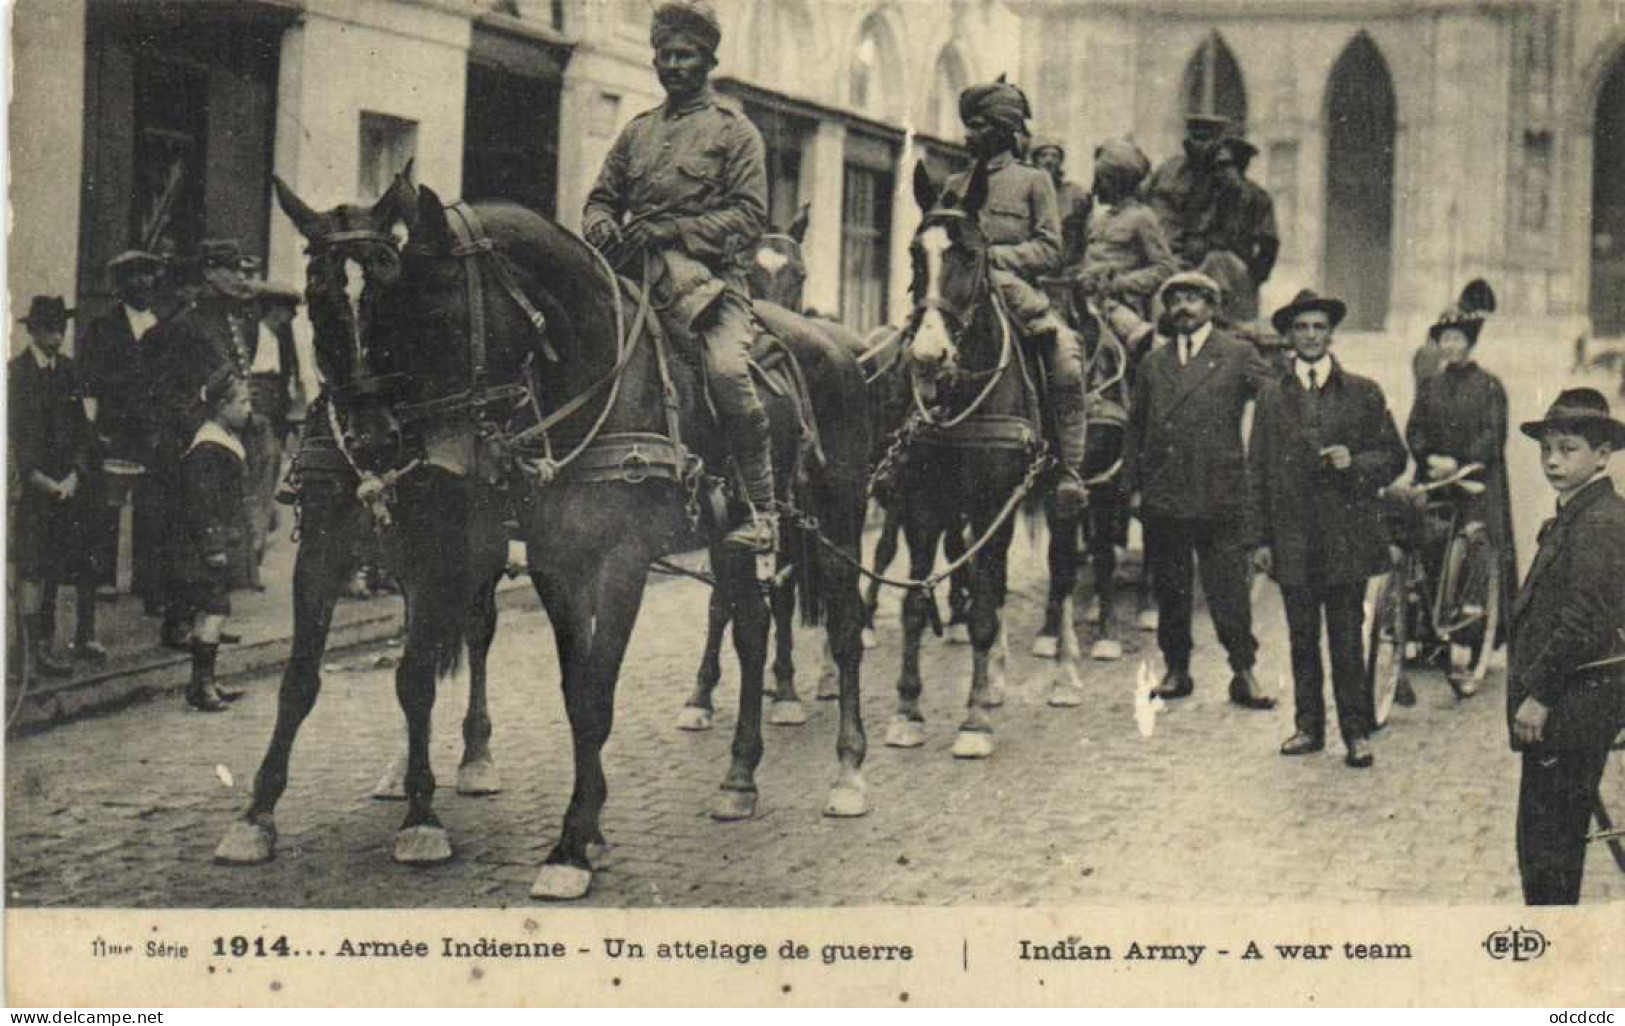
x,y
39,639
1070,424
759,531
200,693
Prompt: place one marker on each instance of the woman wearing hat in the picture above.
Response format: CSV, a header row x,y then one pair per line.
x,y
1566,653
1460,418
49,449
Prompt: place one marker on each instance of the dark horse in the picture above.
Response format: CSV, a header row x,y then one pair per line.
x,y
975,443
492,299
777,276
335,526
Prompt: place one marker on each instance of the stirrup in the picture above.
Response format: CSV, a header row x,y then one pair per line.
x,y
759,532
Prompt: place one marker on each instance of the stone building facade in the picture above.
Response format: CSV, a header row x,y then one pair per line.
x,y
1410,144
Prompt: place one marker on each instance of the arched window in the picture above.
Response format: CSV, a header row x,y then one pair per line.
x,y
875,83
948,80
1213,82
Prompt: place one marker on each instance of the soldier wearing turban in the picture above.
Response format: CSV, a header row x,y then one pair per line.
x,y
686,185
1022,222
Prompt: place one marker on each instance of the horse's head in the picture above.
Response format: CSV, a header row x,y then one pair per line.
x,y
352,248
778,271
949,256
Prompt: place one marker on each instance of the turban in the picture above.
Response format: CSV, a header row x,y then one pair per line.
x,y
1121,160
692,18
1047,142
999,102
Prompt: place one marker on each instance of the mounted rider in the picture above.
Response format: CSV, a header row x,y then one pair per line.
x,y
686,183
1049,155
1023,228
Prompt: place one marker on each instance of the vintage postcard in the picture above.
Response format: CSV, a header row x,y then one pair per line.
x,y
815,502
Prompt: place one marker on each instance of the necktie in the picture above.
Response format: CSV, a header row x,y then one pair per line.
x,y
1184,350
1314,385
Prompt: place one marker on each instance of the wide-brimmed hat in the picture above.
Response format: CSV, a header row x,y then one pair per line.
x,y
1577,407
133,258
1468,323
47,313
1197,120
1305,300
1191,280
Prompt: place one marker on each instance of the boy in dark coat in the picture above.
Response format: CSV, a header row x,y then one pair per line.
x,y
1566,663
212,526
1323,445
49,450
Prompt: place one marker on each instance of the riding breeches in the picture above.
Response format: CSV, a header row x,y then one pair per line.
x,y
728,327
1060,346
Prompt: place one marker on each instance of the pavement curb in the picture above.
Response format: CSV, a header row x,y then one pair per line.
x,y
164,672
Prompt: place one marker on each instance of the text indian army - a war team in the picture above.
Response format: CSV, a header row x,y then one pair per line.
x,y
1134,307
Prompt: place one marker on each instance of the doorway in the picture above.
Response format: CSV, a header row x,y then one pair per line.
x,y
1360,122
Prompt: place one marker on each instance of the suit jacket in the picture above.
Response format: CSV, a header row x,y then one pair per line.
x,y
1570,611
112,363
46,425
1183,449
1322,524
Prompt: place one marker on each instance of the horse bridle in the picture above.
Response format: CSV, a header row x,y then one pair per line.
x,y
959,315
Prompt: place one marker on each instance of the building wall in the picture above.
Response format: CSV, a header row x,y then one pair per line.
x,y
400,58
46,151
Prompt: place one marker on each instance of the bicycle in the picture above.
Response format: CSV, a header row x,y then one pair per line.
x,y
1415,616
1608,831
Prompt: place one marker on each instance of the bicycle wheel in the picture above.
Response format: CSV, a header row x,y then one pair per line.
x,y
1611,796
1472,607
1385,649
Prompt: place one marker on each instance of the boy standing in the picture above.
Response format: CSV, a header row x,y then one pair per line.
x,y
1566,664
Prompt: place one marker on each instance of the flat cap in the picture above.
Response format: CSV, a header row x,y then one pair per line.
x,y
1192,280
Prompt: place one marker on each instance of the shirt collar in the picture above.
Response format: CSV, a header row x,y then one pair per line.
x,y
1322,368
699,101
1000,160
1199,337
1563,503
40,359
212,432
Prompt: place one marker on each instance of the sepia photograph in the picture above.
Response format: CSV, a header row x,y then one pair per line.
x,y
879,462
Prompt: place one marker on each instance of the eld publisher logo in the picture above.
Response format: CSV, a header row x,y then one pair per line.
x,y
1520,945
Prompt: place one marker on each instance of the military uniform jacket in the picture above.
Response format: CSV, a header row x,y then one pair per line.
x,y
211,514
702,166
184,349
1127,246
1075,203
1570,611
1021,218
1245,225
1323,525
1183,449
1184,198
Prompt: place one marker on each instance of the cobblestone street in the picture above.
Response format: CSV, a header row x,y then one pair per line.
x,y
1074,807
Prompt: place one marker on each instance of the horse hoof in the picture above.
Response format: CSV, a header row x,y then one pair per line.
x,y
247,844
903,732
1065,696
869,639
1147,620
1046,646
478,778
561,882
973,744
1107,650
391,787
788,713
422,845
995,696
847,800
734,805
692,717
958,634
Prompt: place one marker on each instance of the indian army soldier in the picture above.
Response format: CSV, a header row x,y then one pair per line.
x,y
1049,155
1183,190
1244,222
1023,230
686,184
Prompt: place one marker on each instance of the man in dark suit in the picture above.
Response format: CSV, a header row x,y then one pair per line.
x,y
1566,661
1323,444
111,358
1183,461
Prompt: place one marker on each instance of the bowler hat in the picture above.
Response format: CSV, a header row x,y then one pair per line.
x,y
1304,301
47,313
1192,280
133,258
1576,407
